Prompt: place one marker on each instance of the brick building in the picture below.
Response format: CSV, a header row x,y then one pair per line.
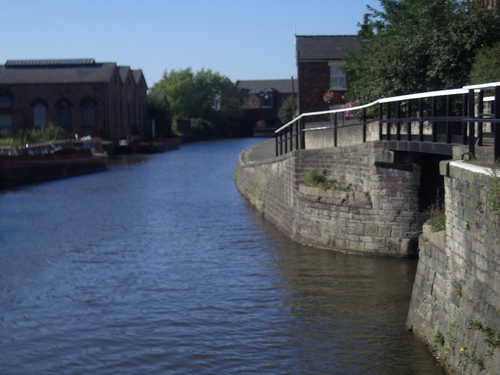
x,y
262,100
82,96
319,68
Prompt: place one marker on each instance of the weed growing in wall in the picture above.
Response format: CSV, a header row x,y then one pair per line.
x,y
492,337
320,180
435,217
439,338
494,189
471,358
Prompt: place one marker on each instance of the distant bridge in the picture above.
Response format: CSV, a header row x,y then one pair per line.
x,y
432,122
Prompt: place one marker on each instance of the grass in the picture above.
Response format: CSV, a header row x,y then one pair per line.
x,y
436,217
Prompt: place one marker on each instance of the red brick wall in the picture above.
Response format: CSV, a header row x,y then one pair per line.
x,y
121,108
314,81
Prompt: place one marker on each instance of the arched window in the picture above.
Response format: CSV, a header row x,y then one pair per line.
x,y
39,115
89,113
64,113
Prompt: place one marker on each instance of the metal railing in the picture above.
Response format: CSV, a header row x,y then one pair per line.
x,y
457,116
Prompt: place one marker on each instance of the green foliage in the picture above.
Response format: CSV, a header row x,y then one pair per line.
x,y
37,135
286,112
419,45
207,98
436,217
439,338
159,111
492,337
320,180
471,358
486,67
494,189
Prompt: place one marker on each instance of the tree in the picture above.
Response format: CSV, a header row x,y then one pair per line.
x,y
159,111
419,45
210,100
286,112
486,67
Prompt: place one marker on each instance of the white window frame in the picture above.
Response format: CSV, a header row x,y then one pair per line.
x,y
338,79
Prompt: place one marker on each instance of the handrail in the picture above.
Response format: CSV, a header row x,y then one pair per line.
x,y
379,101
292,132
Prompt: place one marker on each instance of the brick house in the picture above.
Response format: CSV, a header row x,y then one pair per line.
x,y
262,100
319,62
82,96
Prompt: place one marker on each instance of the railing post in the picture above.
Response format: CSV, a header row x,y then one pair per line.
x,y
297,131
480,112
408,116
448,125
434,125
335,124
465,111
285,140
420,120
276,143
388,124
380,117
364,125
398,121
471,123
496,128
302,135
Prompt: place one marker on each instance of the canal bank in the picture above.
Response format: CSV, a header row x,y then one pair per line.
x,y
455,304
377,214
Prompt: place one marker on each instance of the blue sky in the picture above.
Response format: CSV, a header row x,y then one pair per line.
x,y
240,39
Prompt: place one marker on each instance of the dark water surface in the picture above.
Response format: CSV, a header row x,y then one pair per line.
x,y
160,267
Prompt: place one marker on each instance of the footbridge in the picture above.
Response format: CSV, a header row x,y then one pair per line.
x,y
431,122
391,159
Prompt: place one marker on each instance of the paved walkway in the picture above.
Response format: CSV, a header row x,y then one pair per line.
x,y
261,151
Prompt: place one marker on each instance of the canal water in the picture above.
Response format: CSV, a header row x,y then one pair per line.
x,y
159,266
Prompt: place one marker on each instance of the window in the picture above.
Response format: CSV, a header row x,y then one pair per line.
x,y
6,123
337,78
267,100
88,111
64,114
5,100
39,115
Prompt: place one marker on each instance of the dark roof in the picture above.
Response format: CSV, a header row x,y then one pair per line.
x,y
325,47
138,75
49,62
55,71
124,72
283,86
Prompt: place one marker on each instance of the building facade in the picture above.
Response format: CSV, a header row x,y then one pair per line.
x,y
82,96
319,58
262,100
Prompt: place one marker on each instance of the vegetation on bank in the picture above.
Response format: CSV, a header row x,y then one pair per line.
x,y
211,102
37,135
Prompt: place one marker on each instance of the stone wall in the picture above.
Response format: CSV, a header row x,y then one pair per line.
x,y
455,305
379,214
